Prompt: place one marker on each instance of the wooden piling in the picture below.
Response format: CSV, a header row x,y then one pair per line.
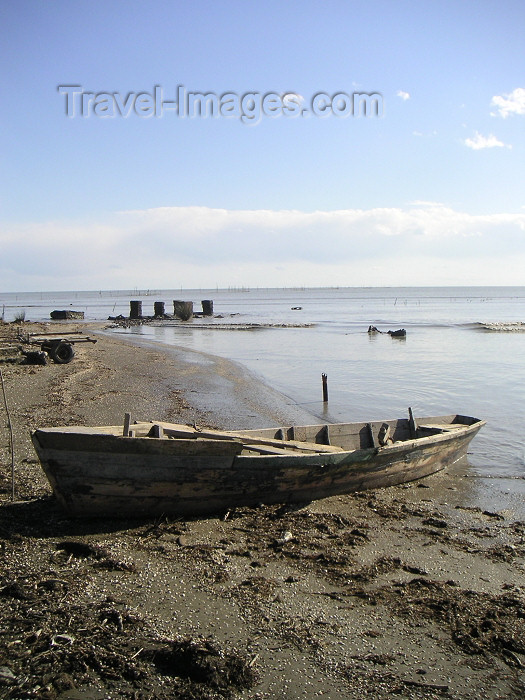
x,y
135,309
207,307
158,308
183,309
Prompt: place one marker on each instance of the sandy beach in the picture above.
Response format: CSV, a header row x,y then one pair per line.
x,y
409,592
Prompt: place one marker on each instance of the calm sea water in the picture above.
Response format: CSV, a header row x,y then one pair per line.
x,y
461,354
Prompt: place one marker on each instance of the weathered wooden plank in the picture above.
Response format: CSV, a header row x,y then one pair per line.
x,y
112,444
271,450
136,466
442,426
208,481
247,439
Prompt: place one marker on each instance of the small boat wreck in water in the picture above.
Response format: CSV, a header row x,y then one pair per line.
x,y
149,469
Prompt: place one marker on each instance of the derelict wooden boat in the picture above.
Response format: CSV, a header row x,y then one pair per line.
x,y
153,469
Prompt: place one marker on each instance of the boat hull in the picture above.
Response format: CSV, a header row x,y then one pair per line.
x,y
94,474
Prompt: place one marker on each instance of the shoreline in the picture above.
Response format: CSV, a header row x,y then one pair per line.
x,y
227,391
409,590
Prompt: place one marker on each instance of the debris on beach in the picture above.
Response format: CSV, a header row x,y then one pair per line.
x,y
34,357
59,348
201,661
20,347
106,647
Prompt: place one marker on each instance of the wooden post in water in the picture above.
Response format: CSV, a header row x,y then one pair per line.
x,y
135,309
325,387
207,307
183,309
158,308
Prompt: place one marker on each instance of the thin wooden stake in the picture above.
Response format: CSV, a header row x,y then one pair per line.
x,y
325,387
11,440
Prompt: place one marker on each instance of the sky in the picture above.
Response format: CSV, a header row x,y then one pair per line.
x,y
168,144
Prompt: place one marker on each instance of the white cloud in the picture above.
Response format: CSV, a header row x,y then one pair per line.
x,y
168,247
479,142
513,103
403,95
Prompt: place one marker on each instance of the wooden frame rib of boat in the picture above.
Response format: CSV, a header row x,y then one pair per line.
x,y
154,469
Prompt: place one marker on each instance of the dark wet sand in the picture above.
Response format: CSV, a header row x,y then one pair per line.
x,y
410,592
